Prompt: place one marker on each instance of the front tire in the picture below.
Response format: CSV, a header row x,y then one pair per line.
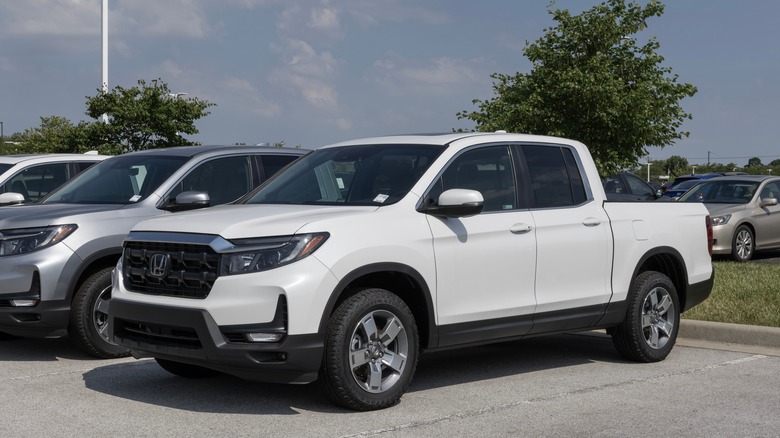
x,y
371,351
744,244
652,321
88,328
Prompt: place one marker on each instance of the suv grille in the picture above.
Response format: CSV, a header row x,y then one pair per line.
x,y
170,269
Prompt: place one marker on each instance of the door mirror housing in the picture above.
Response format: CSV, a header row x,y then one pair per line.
x,y
457,203
11,198
188,201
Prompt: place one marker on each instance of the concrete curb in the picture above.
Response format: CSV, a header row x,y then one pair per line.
x,y
720,332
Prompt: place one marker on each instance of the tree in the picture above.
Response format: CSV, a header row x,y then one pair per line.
x,y
591,82
56,134
755,162
143,117
676,165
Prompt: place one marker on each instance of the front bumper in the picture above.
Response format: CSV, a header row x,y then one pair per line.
x,y
192,336
37,277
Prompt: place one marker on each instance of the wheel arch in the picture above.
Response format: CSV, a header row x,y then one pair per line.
x,y
99,260
669,262
399,279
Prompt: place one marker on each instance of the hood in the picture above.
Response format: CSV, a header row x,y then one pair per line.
x,y
41,215
721,209
241,221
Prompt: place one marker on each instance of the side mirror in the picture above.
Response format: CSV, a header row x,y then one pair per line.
x,y
188,201
765,202
659,193
457,203
11,198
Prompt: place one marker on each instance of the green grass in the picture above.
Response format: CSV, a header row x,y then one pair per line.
x,y
744,293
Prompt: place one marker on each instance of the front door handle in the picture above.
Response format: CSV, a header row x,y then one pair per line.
x,y
520,228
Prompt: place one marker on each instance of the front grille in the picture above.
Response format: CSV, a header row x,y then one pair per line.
x,y
156,334
188,271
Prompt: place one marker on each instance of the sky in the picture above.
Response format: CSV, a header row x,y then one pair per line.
x,y
314,72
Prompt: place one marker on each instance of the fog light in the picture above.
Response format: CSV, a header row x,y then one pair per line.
x,y
23,303
264,337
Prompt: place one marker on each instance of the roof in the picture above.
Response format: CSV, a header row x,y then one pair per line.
x,y
20,158
444,139
191,151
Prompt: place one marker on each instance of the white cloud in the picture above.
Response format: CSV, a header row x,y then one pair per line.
x,y
50,17
432,76
307,73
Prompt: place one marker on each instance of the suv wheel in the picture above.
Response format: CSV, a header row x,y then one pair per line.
x,y
652,320
88,327
371,351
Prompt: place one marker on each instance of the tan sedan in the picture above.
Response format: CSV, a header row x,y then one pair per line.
x,y
744,210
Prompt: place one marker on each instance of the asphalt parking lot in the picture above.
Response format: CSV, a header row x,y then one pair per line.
x,y
565,385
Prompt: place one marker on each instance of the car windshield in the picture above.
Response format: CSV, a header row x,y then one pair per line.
x,y
721,192
349,175
124,179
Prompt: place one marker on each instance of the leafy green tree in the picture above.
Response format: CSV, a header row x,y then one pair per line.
x,y
775,162
143,117
52,136
755,162
590,81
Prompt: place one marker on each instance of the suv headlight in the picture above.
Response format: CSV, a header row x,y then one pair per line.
x,y
721,220
24,240
262,254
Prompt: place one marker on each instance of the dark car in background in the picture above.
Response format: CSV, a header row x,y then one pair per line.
x,y
626,187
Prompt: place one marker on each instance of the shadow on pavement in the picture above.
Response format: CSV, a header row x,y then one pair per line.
x,y
40,350
145,382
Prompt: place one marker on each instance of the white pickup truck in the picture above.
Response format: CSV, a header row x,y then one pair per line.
x,y
362,254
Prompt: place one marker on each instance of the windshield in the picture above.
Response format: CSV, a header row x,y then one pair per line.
x,y
721,192
120,180
350,175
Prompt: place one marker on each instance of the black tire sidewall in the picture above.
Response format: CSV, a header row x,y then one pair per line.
x,y
734,253
628,336
336,373
82,327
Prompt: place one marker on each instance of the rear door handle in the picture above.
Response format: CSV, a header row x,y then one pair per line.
x,y
591,222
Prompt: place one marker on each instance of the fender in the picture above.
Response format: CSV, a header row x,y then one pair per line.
x,y
74,279
417,279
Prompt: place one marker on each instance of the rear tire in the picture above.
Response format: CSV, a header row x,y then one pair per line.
x,y
649,331
88,328
743,245
182,369
371,350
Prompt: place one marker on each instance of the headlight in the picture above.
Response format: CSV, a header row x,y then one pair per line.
x,y
262,254
721,220
22,241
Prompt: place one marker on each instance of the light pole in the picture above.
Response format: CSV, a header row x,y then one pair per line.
x,y
694,170
104,33
648,170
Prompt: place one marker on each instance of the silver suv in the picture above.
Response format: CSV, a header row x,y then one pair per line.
x,y
29,177
56,256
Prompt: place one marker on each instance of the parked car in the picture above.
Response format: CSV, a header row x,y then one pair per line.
x,y
28,178
675,192
745,213
683,178
626,186
360,255
56,256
